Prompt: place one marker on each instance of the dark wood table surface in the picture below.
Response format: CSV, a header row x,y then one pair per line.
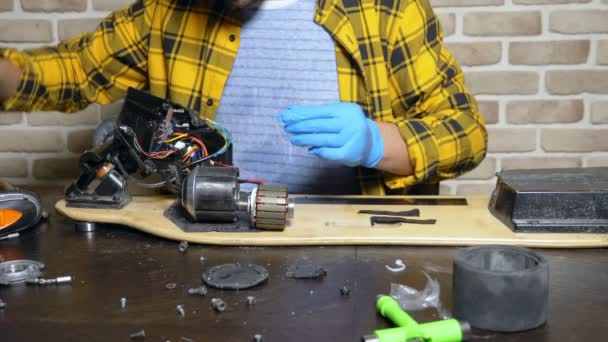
x,y
115,262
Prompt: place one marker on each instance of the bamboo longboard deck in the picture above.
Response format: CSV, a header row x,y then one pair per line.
x,y
340,224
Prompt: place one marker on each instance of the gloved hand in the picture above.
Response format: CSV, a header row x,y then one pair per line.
x,y
338,131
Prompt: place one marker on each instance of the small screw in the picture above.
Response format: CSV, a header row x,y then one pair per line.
x,y
137,335
123,302
2,304
183,246
251,300
258,338
218,304
10,236
180,310
344,291
64,280
201,291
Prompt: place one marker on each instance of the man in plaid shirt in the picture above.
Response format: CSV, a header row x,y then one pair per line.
x,y
404,114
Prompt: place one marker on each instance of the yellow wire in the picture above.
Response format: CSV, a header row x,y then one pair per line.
x,y
190,151
176,138
166,155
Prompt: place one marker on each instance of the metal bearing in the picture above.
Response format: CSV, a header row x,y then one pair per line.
x,y
19,271
501,288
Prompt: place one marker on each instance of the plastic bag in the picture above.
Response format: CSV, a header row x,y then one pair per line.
x,y
411,299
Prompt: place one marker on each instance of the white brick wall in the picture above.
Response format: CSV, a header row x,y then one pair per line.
x,y
538,67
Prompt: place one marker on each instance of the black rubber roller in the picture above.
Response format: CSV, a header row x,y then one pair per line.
x,y
501,288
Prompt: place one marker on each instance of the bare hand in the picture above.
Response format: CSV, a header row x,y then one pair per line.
x,y
10,75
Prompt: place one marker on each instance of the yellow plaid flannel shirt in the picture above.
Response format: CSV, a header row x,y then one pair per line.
x,y
390,60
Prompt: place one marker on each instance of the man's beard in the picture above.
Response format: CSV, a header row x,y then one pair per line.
x,y
240,4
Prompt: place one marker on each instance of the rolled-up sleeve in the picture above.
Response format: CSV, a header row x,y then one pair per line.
x,y
441,124
94,67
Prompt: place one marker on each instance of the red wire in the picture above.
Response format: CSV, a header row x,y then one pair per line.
x,y
189,154
251,180
153,155
203,146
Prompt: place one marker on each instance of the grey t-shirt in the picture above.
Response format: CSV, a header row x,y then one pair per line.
x,y
284,59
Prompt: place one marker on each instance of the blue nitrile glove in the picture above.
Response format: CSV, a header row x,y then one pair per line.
x,y
338,131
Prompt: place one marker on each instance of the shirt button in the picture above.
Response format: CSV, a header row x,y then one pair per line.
x,y
232,37
210,102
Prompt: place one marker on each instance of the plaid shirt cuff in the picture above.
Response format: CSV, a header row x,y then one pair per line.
x,y
423,154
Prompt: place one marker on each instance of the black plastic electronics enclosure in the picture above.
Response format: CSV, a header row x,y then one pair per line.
x,y
146,114
552,200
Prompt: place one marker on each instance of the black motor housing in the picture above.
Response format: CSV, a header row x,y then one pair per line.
x,y
211,193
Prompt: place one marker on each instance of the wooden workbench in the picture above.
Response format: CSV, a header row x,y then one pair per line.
x,y
114,262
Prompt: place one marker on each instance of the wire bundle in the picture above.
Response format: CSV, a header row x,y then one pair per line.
x,y
189,150
196,152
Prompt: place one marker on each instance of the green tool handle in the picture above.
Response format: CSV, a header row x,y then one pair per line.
x,y
388,307
407,328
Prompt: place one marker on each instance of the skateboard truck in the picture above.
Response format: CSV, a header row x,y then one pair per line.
x,y
408,329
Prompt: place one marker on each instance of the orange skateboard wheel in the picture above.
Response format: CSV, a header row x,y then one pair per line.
x,y
8,217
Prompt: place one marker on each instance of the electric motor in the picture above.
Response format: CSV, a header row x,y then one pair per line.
x,y
212,193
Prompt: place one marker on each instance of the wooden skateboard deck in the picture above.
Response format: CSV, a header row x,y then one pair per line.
x,y
334,222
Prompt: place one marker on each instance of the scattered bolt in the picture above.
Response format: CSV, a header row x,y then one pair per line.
x,y
137,335
218,304
203,259
64,280
180,310
201,291
123,302
171,286
52,281
251,300
344,291
258,338
2,304
10,236
183,246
